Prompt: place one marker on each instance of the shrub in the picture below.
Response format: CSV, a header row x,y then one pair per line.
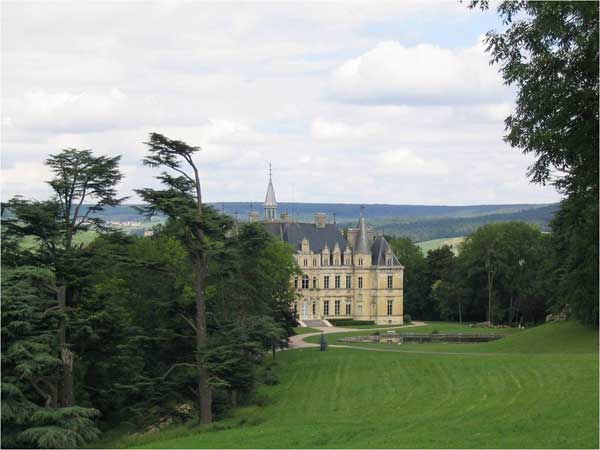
x,y
350,322
407,319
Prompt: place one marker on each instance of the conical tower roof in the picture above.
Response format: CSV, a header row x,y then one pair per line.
x,y
270,198
362,241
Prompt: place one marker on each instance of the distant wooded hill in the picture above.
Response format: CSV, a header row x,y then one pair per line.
x,y
419,222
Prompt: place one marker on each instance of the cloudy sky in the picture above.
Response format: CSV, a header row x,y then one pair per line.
x,y
367,102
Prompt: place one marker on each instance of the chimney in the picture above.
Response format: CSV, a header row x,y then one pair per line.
x,y
254,216
320,220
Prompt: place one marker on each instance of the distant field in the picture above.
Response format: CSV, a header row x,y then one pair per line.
x,y
84,237
536,388
437,243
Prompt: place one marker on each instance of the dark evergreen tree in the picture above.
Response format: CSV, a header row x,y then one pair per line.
x,y
31,416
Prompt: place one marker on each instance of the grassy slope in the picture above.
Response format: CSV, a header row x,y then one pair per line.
x,y
351,398
305,330
437,243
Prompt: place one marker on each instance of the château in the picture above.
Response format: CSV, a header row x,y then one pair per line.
x,y
346,274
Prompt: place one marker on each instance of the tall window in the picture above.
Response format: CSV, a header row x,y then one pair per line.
x,y
296,282
304,281
348,281
326,307
305,262
337,281
314,261
337,308
390,307
360,261
314,309
360,284
336,262
348,307
390,281
295,309
314,282
326,282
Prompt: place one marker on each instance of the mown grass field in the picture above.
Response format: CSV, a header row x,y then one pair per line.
x,y
437,243
534,389
305,330
84,237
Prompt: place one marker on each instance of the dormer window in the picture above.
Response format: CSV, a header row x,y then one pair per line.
x,y
305,262
360,261
389,261
314,261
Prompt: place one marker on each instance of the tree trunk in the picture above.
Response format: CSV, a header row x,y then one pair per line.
x,y
510,311
204,390
460,312
67,396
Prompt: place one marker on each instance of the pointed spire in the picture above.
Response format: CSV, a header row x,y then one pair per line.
x,y
270,198
270,205
362,241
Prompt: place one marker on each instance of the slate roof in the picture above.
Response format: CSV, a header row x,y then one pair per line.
x,y
378,249
293,233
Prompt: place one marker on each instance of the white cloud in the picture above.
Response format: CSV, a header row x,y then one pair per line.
x,y
253,84
404,162
391,73
324,129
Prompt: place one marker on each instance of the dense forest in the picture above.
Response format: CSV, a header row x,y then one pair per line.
x,y
141,332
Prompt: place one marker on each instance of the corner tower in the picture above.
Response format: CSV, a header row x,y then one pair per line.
x,y
270,205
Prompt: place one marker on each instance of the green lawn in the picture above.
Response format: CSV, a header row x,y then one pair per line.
x,y
545,395
305,330
440,327
437,243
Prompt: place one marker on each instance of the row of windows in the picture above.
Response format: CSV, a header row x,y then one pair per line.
x,y
337,308
337,282
327,261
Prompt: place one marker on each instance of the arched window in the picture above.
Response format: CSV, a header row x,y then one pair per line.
x,y
304,281
305,262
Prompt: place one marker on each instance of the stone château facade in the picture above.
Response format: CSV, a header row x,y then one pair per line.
x,y
349,274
